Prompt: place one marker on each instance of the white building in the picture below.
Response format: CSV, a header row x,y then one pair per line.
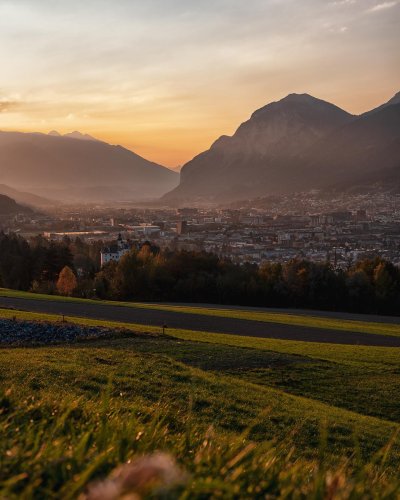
x,y
114,252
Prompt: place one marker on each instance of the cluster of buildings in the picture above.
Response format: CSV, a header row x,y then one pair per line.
x,y
340,229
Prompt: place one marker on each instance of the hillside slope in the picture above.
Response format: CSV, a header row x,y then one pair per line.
x,y
25,198
8,206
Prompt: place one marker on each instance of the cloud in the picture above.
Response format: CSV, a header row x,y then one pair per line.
x,y
7,105
343,2
383,6
330,28
167,71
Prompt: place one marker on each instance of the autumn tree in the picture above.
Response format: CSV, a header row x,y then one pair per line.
x,y
67,281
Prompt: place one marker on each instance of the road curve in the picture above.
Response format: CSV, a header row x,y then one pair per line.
x,y
199,322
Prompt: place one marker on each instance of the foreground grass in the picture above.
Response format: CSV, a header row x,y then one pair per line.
x,y
70,414
310,321
77,444
246,417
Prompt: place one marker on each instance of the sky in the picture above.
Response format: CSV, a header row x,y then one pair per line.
x,y
166,78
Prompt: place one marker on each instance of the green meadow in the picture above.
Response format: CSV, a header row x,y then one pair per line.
x,y
244,417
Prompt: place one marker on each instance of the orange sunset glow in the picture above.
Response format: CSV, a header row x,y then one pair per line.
x,y
165,78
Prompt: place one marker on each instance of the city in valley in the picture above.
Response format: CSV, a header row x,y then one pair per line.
x,y
339,229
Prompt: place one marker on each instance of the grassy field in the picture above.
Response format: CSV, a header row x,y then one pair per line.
x,y
309,321
244,417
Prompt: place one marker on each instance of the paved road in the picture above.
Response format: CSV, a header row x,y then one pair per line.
x,y
377,318
198,322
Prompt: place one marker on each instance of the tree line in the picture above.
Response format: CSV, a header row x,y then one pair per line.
x,y
36,264
150,274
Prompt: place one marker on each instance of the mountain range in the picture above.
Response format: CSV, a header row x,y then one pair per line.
x,y
79,168
297,144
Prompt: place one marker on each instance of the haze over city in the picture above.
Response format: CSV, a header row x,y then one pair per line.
x,y
165,78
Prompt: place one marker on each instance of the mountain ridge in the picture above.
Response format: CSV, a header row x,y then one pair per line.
x,y
74,135
25,198
69,168
283,148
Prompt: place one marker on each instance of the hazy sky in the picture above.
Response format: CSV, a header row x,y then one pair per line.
x,y
167,77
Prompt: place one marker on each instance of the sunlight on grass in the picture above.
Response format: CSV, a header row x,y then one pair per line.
x,y
71,414
75,444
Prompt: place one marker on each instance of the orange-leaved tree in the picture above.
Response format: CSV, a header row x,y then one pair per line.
x,y
67,281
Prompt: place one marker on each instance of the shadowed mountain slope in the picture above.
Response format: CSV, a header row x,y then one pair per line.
x,y
299,143
8,206
72,169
